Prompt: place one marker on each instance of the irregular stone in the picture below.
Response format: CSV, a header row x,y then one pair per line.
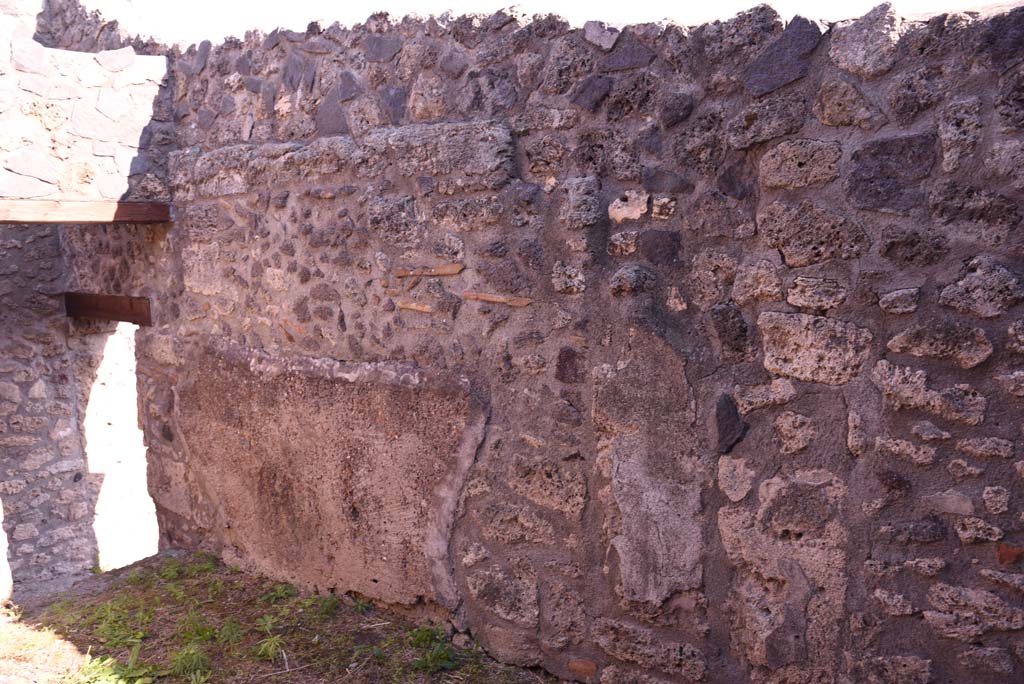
x,y
509,593
926,567
928,432
840,104
564,620
1015,337
635,644
711,275
807,234
900,302
867,46
558,485
893,604
965,614
751,398
1011,580
902,449
800,163
731,332
513,524
891,670
907,388
785,60
986,659
1010,100
913,92
974,530
629,53
632,279
645,410
818,294
766,119
960,130
961,470
731,428
757,282
813,348
997,499
1006,159
582,205
927,530
913,247
675,108
950,501
381,47
985,289
600,34
663,207
985,447
944,339
735,479
857,440
592,91
629,207
567,279
1012,383
795,432
974,214
624,243
884,173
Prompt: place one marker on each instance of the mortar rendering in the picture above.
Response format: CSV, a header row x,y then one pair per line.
x,y
645,356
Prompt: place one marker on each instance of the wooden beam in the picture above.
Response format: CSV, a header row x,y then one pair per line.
x,y
66,211
108,307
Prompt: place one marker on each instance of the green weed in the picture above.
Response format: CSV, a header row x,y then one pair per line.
x,y
194,629
270,648
327,606
191,659
280,592
230,632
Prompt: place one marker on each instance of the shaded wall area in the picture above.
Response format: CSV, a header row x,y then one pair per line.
x,y
739,307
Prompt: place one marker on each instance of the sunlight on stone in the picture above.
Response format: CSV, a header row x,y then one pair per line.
x,y
5,566
125,523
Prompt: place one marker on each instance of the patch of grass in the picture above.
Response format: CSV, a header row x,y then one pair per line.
x,y
192,620
231,632
194,628
189,660
280,592
327,606
361,605
438,654
270,648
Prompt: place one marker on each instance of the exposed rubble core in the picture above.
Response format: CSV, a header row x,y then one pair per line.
x,y
656,355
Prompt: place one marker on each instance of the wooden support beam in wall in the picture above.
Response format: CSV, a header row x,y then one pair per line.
x,y
108,307
66,211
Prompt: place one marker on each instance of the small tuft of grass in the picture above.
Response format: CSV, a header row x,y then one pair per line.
x,y
172,569
191,659
327,606
194,628
438,653
270,648
230,632
281,591
361,605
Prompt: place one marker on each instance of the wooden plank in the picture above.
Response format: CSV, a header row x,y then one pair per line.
x,y
66,211
108,307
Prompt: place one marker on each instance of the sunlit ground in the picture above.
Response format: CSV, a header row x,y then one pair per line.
x,y
125,523
30,654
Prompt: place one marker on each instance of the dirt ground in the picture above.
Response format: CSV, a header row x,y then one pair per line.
x,y
183,618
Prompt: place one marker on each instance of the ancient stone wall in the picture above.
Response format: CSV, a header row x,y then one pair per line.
x,y
661,355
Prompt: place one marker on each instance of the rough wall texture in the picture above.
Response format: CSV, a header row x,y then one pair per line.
x,y
79,126
719,330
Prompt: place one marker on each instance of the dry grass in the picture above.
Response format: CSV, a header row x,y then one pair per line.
x,y
191,620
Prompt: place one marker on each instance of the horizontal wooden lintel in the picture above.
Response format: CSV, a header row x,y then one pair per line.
x,y
68,211
108,307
